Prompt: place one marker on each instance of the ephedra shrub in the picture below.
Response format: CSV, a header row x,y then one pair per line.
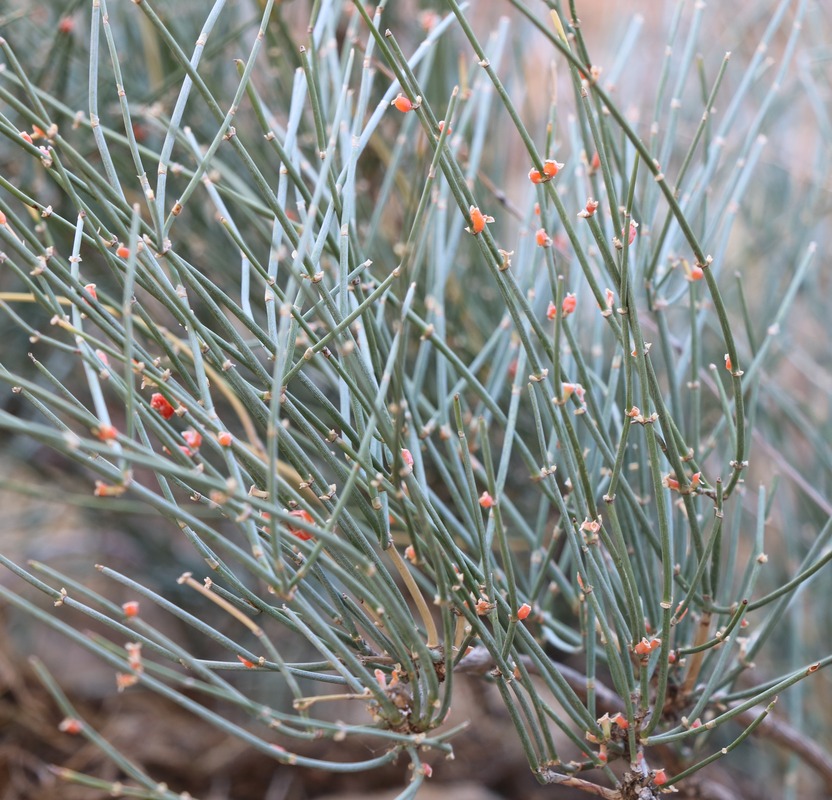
x,y
448,347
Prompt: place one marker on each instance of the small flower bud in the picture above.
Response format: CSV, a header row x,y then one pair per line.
x,y
542,238
589,209
620,720
158,402
402,103
486,500
671,483
107,432
551,168
108,490
70,725
478,220
193,438
303,515
647,646
130,608
524,611
568,389
482,607
125,680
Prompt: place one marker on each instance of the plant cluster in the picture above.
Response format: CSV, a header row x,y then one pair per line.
x,y
444,356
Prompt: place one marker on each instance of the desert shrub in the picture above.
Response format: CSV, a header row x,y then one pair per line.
x,y
447,344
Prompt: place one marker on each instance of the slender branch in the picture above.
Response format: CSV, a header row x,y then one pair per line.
x,y
773,728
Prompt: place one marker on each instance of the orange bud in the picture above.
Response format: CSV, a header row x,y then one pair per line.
x,y
70,725
122,251
158,402
123,681
568,389
589,209
478,220
647,646
542,238
482,607
193,438
130,608
524,611
402,103
551,168
225,438
486,500
671,483
108,490
305,516
107,432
